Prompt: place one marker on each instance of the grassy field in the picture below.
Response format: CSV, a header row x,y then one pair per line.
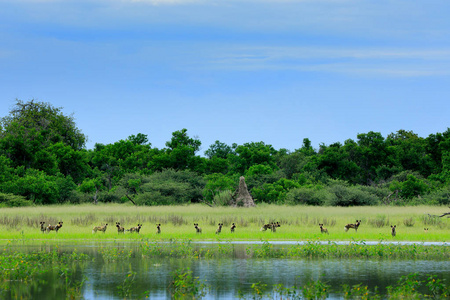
x,y
297,222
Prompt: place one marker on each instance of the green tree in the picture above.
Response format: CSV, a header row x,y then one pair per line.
x,y
251,154
274,192
408,151
31,128
413,187
371,153
179,154
220,150
216,184
336,161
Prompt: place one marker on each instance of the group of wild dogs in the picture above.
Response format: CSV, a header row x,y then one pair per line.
x,y
272,226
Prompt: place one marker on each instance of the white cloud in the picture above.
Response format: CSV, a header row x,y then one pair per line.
x,y
368,61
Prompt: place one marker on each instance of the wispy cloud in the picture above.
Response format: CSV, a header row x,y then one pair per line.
x,y
368,61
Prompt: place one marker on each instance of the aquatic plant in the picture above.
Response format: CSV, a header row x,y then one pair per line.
x,y
110,254
124,289
184,285
315,290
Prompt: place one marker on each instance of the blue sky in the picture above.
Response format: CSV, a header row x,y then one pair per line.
x,y
235,71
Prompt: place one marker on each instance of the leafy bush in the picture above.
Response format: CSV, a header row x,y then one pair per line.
x,y
350,196
224,198
77,197
413,186
275,192
10,200
308,196
181,186
34,185
154,198
439,197
217,183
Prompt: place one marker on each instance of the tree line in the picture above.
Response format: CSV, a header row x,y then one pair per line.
x,y
44,160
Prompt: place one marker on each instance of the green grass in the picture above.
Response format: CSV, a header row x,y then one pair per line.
x,y
298,222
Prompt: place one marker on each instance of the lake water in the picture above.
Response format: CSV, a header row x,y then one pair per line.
x,y
227,277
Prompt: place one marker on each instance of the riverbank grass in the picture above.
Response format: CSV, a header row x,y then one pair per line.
x,y
177,222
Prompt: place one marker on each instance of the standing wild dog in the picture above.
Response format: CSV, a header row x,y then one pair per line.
x,y
354,226
266,226
393,230
54,227
219,230
197,229
323,229
135,229
42,226
233,227
274,226
158,228
120,229
100,228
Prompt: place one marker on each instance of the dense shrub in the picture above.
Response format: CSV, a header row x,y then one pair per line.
x,y
274,192
181,186
217,183
10,200
439,197
350,196
308,196
223,198
154,198
77,197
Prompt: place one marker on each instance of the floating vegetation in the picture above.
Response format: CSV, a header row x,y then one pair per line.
x,y
407,287
310,249
66,269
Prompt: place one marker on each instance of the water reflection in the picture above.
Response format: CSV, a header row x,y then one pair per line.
x,y
226,277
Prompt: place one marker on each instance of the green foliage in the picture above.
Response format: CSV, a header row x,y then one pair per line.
x,y
216,184
167,187
344,195
438,197
36,186
42,158
308,196
31,128
184,285
88,185
223,198
251,154
274,192
316,290
413,187
10,200
219,150
179,154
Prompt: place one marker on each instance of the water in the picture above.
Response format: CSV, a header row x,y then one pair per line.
x,y
227,277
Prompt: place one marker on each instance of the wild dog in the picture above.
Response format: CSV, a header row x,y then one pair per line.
x,y
197,229
54,227
354,226
274,226
393,232
100,228
233,227
323,229
158,228
42,226
120,229
266,226
135,229
219,229
425,230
